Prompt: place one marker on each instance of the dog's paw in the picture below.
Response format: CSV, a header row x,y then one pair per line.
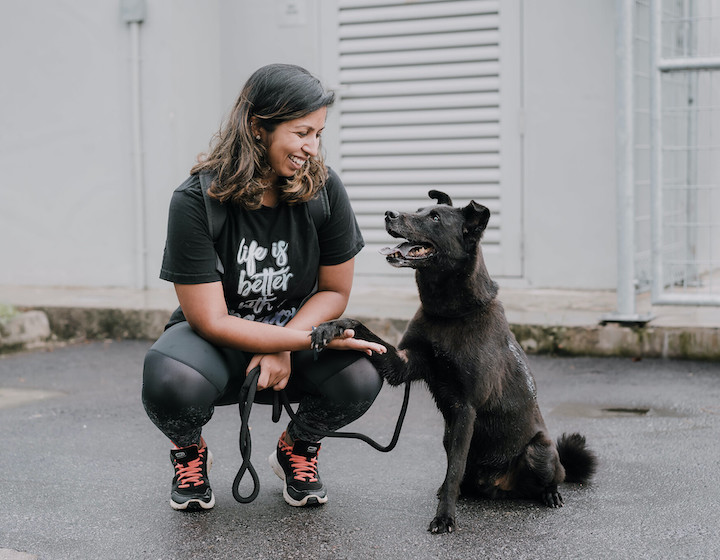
x,y
442,524
325,332
552,498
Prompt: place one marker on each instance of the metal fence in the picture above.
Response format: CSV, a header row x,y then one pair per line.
x,y
668,157
685,150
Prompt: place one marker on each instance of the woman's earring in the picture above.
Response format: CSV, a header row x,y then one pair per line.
x,y
257,137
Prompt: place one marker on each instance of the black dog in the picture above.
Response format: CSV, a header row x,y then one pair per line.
x,y
460,344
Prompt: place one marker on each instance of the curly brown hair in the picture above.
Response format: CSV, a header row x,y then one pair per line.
x,y
274,94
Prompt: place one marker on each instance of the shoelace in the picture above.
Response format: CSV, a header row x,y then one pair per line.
x,y
303,468
192,472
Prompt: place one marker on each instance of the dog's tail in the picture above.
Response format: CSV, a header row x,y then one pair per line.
x,y
579,462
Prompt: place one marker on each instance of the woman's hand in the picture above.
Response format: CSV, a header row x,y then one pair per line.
x,y
349,342
274,370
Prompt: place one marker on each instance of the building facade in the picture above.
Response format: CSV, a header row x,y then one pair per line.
x,y
510,103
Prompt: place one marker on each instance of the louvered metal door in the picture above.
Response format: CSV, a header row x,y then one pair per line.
x,y
419,109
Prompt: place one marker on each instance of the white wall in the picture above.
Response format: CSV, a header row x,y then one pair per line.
x,y
66,194
63,144
182,103
568,167
67,214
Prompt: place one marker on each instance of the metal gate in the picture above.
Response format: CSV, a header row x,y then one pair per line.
x,y
668,156
685,150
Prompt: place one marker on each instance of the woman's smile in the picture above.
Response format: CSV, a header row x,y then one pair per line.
x,y
292,143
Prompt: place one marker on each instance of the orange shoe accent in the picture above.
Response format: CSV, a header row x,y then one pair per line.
x,y
303,468
191,473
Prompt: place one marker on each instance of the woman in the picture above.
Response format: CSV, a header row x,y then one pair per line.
x,y
250,294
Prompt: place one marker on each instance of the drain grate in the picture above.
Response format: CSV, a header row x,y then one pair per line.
x,y
627,411
585,410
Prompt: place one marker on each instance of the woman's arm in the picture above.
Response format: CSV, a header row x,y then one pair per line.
x,y
205,309
331,299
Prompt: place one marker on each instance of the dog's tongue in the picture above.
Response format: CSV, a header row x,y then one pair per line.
x,y
403,249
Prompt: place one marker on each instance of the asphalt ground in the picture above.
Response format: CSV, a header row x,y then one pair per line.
x,y
85,474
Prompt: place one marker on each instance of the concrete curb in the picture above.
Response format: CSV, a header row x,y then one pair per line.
x,y
687,343
598,340
27,330
71,323
47,325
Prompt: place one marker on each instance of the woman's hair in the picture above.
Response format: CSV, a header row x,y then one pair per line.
x,y
272,95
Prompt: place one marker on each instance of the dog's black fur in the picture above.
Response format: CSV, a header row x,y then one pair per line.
x,y
460,344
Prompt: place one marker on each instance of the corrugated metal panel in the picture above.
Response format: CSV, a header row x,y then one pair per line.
x,y
470,84
443,40
488,130
420,72
420,57
411,146
419,107
431,102
422,161
357,12
417,178
418,118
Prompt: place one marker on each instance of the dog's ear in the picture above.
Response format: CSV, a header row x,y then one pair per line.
x,y
476,220
441,197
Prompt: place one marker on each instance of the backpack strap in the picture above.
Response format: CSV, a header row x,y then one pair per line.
x,y
319,207
216,212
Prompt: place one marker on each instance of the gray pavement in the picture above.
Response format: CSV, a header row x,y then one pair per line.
x,y
86,475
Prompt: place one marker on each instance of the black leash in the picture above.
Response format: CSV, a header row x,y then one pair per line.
x,y
280,399
247,396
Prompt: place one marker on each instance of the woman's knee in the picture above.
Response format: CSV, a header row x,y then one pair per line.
x,y
171,385
357,382
183,369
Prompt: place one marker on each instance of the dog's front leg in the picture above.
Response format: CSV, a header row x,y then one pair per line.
x,y
459,434
392,366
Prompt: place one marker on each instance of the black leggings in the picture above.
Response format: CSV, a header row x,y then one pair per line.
x,y
185,377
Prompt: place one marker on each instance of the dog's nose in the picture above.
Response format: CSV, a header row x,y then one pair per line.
x,y
390,215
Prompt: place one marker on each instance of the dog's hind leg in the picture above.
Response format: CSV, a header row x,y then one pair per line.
x,y
538,472
458,435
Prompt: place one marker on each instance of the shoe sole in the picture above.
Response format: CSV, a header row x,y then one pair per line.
x,y
195,504
309,500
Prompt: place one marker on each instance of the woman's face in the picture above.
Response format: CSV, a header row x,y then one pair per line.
x,y
292,143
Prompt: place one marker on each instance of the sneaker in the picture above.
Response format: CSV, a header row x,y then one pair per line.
x,y
297,467
191,487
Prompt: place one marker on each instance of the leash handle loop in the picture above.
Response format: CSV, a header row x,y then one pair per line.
x,y
247,396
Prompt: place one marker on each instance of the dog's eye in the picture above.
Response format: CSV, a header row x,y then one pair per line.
x,y
434,216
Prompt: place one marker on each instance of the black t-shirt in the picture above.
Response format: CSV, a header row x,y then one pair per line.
x,y
266,259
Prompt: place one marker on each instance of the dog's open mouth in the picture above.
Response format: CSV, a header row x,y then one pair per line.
x,y
407,252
